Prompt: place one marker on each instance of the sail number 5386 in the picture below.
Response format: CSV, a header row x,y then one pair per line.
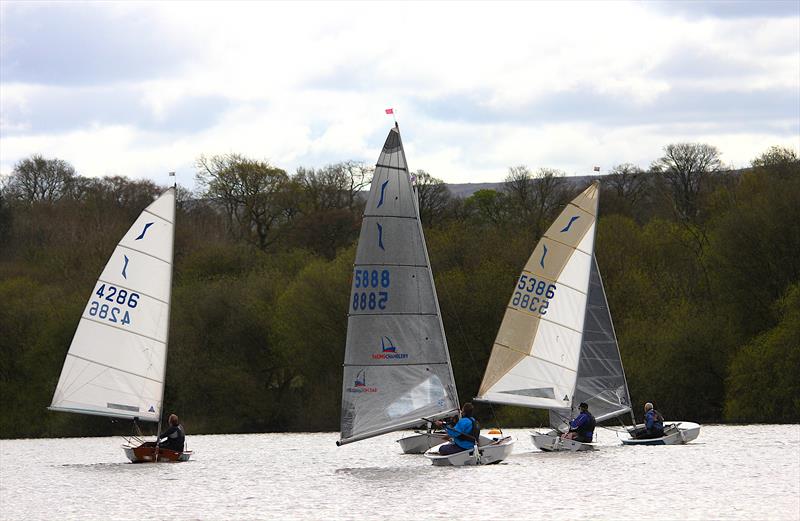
x,y
533,294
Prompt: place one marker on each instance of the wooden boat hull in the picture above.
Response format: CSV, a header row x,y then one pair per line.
x,y
675,433
420,442
490,451
146,453
552,442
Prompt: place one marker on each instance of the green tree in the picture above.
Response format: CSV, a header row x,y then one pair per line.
x,y
762,383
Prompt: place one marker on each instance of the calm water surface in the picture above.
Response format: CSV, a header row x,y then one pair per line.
x,y
729,472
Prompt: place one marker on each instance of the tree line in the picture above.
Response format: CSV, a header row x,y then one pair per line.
x,y
700,264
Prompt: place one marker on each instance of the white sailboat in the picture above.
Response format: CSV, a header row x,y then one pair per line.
x,y
397,371
556,345
116,363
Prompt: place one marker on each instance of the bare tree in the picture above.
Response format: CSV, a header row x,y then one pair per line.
x,y
433,196
252,193
534,197
334,186
39,179
686,167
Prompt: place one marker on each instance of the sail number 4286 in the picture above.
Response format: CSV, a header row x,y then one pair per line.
x,y
533,295
111,312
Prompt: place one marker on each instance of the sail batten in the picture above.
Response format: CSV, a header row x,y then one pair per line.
x,y
116,362
396,368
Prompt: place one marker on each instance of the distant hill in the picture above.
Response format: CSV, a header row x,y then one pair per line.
x,y
465,190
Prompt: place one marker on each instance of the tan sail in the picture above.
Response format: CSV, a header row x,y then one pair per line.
x,y
535,356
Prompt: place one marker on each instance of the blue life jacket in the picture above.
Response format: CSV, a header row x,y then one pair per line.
x,y
584,425
463,432
654,421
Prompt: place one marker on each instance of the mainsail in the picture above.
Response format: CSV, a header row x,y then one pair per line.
x,y
117,360
556,345
397,366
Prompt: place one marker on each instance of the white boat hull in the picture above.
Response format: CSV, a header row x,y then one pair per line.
x,y
490,451
552,442
681,434
420,442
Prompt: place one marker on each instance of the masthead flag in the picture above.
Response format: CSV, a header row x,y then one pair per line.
x,y
390,111
596,169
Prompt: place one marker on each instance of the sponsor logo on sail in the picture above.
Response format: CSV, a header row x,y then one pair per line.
x,y
360,384
389,351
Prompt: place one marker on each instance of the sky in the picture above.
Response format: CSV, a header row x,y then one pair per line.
x,y
141,89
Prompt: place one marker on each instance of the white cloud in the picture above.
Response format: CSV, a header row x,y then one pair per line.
x,y
478,87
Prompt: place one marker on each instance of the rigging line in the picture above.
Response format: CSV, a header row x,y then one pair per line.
x,y
471,355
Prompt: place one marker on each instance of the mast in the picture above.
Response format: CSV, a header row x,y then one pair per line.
x,y
169,310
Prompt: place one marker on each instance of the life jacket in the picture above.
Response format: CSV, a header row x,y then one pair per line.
x,y
474,433
587,429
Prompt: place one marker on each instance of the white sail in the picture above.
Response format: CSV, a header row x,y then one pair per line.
x,y
535,357
397,367
117,360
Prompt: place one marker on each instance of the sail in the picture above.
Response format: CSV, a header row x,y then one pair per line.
x,y
535,357
117,360
397,367
601,379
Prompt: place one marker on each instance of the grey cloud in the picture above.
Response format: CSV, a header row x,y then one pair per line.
x,y
748,111
62,110
728,8
83,44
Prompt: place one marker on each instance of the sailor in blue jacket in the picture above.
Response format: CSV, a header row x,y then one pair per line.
x,y
582,427
463,434
653,422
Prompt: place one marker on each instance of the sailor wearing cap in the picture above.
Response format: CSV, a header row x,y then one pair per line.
x,y
582,427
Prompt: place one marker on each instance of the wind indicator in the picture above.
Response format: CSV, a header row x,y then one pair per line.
x,y
391,111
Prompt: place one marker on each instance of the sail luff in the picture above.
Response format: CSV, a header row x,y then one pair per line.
x,y
169,311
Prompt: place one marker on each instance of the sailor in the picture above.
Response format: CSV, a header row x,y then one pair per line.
x,y
463,434
582,427
653,423
174,437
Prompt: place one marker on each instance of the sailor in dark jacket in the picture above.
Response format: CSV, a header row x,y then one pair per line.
x,y
653,422
582,427
174,437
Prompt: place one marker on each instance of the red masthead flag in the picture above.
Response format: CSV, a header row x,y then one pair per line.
x,y
390,111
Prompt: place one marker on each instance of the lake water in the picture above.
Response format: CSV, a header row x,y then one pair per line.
x,y
729,472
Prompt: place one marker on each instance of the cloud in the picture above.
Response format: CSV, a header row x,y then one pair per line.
x,y
146,88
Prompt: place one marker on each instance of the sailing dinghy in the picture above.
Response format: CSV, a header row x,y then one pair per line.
x,y
397,371
116,363
556,346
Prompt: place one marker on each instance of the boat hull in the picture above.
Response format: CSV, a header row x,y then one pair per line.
x,y
552,442
490,451
675,433
146,453
421,442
